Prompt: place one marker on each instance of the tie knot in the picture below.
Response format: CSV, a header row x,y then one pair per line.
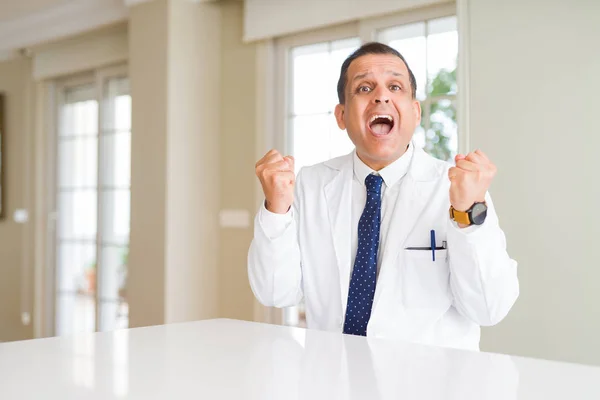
x,y
373,183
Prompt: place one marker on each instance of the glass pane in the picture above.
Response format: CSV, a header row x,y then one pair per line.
x,y
75,314
317,138
114,315
117,159
79,112
310,84
116,216
78,162
339,142
316,70
114,273
441,137
340,50
310,132
117,103
114,309
116,175
419,136
77,268
442,52
77,214
410,41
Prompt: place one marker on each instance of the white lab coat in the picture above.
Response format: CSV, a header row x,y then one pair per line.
x,y
442,302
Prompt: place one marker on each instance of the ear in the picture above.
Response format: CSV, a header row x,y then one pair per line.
x,y
417,111
339,116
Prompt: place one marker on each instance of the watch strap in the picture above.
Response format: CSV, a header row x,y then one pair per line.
x,y
462,217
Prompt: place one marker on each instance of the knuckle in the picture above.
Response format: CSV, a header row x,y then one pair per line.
x,y
266,174
479,175
279,178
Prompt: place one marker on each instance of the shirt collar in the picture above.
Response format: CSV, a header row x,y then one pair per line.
x,y
390,174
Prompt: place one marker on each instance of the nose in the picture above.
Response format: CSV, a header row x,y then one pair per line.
x,y
381,95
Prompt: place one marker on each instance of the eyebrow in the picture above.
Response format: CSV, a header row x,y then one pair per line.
x,y
361,76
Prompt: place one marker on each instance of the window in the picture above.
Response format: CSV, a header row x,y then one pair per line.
x,y
92,201
430,49
315,70
309,67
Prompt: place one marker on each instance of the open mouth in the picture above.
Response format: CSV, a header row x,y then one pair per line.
x,y
381,124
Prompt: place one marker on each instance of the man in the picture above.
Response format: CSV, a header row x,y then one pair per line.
x,y
386,241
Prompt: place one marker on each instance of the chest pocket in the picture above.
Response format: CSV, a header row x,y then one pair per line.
x,y
425,283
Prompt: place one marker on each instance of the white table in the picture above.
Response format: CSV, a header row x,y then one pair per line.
x,y
226,359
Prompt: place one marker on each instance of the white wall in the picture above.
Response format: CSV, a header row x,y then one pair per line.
x,y
148,60
174,64
81,53
16,282
193,181
535,87
237,141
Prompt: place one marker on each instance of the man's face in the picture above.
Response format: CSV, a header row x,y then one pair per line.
x,y
379,113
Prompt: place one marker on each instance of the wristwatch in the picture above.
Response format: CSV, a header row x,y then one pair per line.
x,y
473,216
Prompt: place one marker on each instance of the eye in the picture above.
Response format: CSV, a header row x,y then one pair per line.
x,y
363,89
395,88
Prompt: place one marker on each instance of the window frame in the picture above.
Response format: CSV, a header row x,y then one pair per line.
x,y
366,30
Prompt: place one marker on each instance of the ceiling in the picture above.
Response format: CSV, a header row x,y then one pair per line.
x,y
15,9
27,23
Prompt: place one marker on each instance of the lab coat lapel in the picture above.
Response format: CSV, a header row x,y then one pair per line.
x,y
415,191
338,195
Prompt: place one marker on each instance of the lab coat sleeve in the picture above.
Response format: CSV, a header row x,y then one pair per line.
x,y
274,268
483,277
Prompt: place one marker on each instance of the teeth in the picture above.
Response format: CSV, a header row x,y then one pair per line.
x,y
374,117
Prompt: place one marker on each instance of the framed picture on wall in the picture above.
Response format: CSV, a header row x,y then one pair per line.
x,y
2,125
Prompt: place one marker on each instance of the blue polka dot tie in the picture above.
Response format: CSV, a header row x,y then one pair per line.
x,y
364,274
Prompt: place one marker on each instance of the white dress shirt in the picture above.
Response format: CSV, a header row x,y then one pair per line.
x,y
392,176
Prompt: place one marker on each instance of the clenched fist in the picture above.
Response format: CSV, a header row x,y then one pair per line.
x,y
276,175
470,179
